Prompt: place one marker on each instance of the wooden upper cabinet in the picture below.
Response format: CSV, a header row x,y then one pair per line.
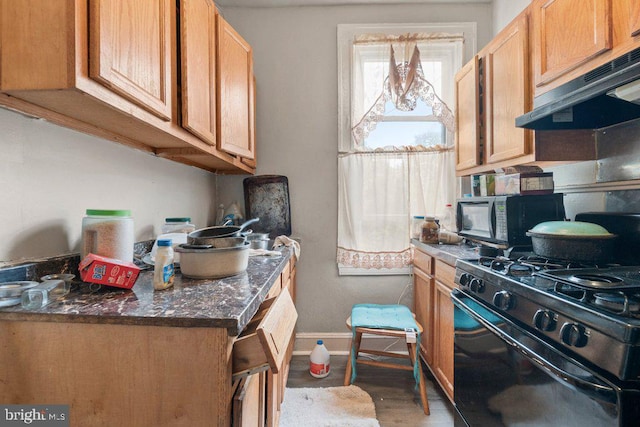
x,y
252,132
635,17
508,92
198,66
568,33
235,82
468,133
131,51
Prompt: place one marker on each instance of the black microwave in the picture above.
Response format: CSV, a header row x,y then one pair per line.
x,y
505,220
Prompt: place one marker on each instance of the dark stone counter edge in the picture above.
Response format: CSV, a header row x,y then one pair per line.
x,y
447,253
30,269
236,327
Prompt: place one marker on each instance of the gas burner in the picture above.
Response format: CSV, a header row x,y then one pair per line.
x,y
541,263
520,270
620,303
495,263
596,281
553,263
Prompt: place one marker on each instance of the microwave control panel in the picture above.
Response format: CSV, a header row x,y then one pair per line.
x,y
500,208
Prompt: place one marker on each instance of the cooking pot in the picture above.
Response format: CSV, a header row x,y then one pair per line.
x,y
206,236
207,262
258,240
572,240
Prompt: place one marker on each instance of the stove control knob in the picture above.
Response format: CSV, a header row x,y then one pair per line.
x,y
465,279
544,320
477,286
504,300
574,334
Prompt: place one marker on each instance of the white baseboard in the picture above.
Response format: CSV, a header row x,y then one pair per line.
x,y
340,343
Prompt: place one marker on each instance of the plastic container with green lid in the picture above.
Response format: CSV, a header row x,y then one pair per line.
x,y
108,233
178,225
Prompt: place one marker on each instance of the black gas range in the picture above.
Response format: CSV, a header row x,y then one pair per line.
x,y
592,312
537,339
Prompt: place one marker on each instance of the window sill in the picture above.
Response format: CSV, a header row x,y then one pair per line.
x,y
352,271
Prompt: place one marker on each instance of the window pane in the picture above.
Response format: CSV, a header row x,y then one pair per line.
x,y
421,109
407,128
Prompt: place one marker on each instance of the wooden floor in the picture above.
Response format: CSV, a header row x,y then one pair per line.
x,y
393,392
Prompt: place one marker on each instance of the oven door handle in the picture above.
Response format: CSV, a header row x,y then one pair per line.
x,y
598,391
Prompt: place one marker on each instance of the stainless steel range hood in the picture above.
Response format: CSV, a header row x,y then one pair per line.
x,y
606,96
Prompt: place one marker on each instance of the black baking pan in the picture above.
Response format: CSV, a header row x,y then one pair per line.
x,y
267,197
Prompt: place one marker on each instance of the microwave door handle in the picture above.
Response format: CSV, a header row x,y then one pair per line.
x,y
599,391
492,219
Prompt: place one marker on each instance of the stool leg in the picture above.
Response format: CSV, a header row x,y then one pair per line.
x,y
422,386
355,348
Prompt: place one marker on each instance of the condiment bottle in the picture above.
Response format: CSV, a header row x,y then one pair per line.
x,y
429,230
449,218
163,272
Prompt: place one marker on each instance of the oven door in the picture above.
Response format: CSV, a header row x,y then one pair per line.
x,y
505,376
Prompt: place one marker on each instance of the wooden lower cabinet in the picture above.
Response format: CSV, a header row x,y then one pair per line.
x,y
434,310
142,375
443,337
249,401
258,397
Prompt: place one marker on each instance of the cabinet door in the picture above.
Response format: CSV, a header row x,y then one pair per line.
x,y
249,401
443,357
467,81
198,65
235,80
508,92
423,299
635,17
131,50
569,33
252,132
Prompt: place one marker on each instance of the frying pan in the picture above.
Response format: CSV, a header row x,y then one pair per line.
x,y
207,236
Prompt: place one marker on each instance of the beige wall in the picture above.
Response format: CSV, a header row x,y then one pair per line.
x,y
505,10
50,175
297,114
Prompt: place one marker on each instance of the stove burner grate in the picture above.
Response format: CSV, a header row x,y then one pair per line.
x,y
619,302
596,280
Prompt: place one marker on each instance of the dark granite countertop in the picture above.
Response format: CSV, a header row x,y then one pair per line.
x,y
223,303
447,253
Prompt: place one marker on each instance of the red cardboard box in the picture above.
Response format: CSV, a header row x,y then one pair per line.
x,y
108,271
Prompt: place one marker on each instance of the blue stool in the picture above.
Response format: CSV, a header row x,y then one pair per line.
x,y
387,320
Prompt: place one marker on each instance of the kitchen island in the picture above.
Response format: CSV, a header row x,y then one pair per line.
x,y
139,357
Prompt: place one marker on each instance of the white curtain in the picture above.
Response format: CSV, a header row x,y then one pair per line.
x,y
379,194
381,190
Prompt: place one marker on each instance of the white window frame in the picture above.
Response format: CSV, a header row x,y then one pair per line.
x,y
346,35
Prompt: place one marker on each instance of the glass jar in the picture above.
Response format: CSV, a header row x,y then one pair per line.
x,y
178,225
44,294
429,231
108,233
416,227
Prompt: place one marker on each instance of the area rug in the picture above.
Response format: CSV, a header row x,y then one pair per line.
x,y
328,407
